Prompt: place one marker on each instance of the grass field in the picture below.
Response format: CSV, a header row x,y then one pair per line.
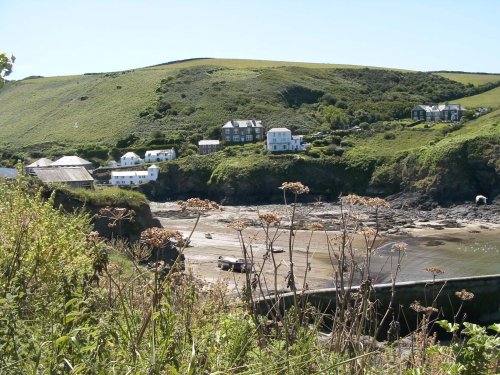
x,y
474,78
200,95
489,99
412,139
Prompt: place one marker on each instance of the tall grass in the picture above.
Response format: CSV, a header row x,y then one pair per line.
x,y
71,302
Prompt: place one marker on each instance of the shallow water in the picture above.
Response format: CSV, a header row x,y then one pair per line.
x,y
473,254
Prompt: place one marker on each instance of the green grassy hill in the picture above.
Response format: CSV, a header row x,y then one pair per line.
x,y
99,116
192,99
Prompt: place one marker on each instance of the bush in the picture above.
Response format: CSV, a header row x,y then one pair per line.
x,y
389,136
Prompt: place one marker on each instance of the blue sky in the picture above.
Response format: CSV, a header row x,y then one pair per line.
x,y
63,37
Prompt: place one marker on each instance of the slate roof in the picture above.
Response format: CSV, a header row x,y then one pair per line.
x,y
130,154
43,162
63,174
70,161
243,124
278,130
207,142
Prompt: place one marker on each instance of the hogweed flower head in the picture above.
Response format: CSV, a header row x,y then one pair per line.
x,y
399,247
296,188
158,237
416,306
434,270
317,226
464,295
270,219
239,225
198,204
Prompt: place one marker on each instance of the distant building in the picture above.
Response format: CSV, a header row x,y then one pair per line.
x,y
240,131
72,161
442,112
134,177
153,156
207,146
130,159
76,177
40,163
281,139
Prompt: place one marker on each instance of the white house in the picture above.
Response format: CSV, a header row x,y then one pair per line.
x,y
159,155
135,177
281,139
130,159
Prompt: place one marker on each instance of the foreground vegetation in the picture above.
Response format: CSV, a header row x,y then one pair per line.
x,y
66,308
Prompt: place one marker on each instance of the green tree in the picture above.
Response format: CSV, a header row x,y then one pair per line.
x,y
5,67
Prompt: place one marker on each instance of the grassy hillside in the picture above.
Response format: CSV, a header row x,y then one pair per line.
x,y
192,99
476,79
489,99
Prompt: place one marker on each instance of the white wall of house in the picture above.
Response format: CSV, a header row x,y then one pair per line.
x,y
153,156
281,139
130,159
134,177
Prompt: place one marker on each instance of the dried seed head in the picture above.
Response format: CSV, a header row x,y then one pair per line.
x,y
434,270
377,202
270,219
198,204
419,308
239,225
296,188
93,236
400,246
464,295
317,226
158,237
354,199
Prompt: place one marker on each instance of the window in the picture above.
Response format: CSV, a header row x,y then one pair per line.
x,y
228,139
249,137
257,130
228,131
236,138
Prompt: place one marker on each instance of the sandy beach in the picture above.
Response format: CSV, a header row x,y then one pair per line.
x,y
460,246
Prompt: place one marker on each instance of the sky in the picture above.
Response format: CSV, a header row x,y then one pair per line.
x,y
67,37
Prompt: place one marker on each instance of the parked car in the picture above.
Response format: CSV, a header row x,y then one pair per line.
x,y
234,264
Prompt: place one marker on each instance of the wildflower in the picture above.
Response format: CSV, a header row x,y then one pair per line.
x,y
93,236
464,295
296,188
377,202
158,237
434,270
399,247
239,225
116,215
416,306
270,219
317,226
198,204
354,199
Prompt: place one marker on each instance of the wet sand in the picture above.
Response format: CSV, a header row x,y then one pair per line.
x,y
471,249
